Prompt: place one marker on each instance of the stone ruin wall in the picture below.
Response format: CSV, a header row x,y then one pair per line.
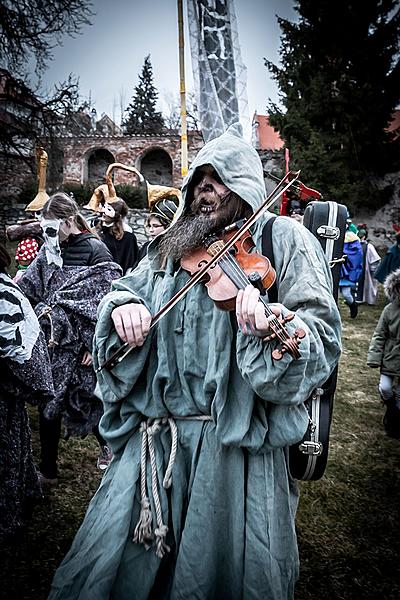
x,y
128,150
132,150
380,223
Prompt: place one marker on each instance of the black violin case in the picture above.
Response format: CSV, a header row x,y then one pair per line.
x,y
308,458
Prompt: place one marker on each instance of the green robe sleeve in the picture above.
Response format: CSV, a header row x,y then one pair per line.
x,y
304,287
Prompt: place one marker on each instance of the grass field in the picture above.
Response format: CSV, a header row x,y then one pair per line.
x,y
348,522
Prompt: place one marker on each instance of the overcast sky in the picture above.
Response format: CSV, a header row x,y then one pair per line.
x,y
109,54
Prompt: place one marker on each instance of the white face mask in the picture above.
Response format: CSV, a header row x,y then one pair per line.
x,y
108,210
108,214
50,228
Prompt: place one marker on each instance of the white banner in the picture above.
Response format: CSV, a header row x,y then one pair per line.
x,y
220,76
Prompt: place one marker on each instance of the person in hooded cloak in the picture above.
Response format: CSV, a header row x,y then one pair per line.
x,y
65,283
367,289
198,501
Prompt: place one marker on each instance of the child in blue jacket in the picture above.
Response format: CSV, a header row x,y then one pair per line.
x,y
351,270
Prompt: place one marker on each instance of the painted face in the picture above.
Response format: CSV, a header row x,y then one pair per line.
x,y
154,227
208,196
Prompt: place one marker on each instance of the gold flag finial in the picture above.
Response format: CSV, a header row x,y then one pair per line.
x,y
42,196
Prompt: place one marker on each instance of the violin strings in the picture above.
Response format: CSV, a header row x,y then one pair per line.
x,y
241,279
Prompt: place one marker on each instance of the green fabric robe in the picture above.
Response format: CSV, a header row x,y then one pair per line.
x,y
231,508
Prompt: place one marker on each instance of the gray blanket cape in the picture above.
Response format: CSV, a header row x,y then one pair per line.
x,y
66,301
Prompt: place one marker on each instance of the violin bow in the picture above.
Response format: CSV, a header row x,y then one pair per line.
x,y
302,191
284,184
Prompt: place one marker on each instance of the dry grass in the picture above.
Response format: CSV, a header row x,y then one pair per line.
x,y
348,523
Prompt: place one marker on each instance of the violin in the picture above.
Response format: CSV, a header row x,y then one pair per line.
x,y
224,279
215,257
233,272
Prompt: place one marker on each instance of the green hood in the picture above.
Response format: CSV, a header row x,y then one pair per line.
x,y
236,162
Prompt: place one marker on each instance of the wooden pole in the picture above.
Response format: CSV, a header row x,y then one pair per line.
x,y
184,147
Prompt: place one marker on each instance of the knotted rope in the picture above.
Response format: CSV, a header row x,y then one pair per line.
x,y
46,312
143,533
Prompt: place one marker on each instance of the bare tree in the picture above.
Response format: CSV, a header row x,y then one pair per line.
x,y
29,32
29,121
172,112
122,103
192,111
30,29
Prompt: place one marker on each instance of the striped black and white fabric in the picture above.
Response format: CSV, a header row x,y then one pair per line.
x,y
19,327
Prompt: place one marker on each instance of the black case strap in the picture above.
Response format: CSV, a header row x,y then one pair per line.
x,y
268,251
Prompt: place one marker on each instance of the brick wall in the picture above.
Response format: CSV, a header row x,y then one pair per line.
x,y
137,151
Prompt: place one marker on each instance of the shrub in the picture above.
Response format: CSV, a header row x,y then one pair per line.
x,y
82,192
135,197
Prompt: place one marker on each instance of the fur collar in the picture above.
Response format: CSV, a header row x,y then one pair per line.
x,y
392,286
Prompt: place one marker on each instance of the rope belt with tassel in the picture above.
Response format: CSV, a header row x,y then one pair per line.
x,y
143,533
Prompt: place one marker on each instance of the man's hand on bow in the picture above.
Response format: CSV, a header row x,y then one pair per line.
x,y
132,323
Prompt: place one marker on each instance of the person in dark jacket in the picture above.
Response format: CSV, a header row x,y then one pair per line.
x,y
118,235
390,262
65,283
384,353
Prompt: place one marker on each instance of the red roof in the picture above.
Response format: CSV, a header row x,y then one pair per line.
x,y
264,135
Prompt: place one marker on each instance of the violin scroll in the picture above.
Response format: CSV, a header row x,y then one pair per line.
x,y
289,344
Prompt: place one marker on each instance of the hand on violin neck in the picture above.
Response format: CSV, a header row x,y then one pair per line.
x,y
132,323
250,313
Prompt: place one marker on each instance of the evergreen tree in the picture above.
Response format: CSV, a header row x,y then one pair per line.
x,y
338,84
142,115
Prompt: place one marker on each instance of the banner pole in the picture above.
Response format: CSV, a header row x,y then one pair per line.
x,y
184,146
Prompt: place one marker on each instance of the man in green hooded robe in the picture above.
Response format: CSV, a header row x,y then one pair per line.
x,y
198,502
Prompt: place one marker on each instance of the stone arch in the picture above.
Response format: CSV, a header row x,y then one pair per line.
x,y
156,166
95,165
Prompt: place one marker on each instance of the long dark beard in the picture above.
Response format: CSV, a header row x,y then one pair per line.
x,y
190,231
